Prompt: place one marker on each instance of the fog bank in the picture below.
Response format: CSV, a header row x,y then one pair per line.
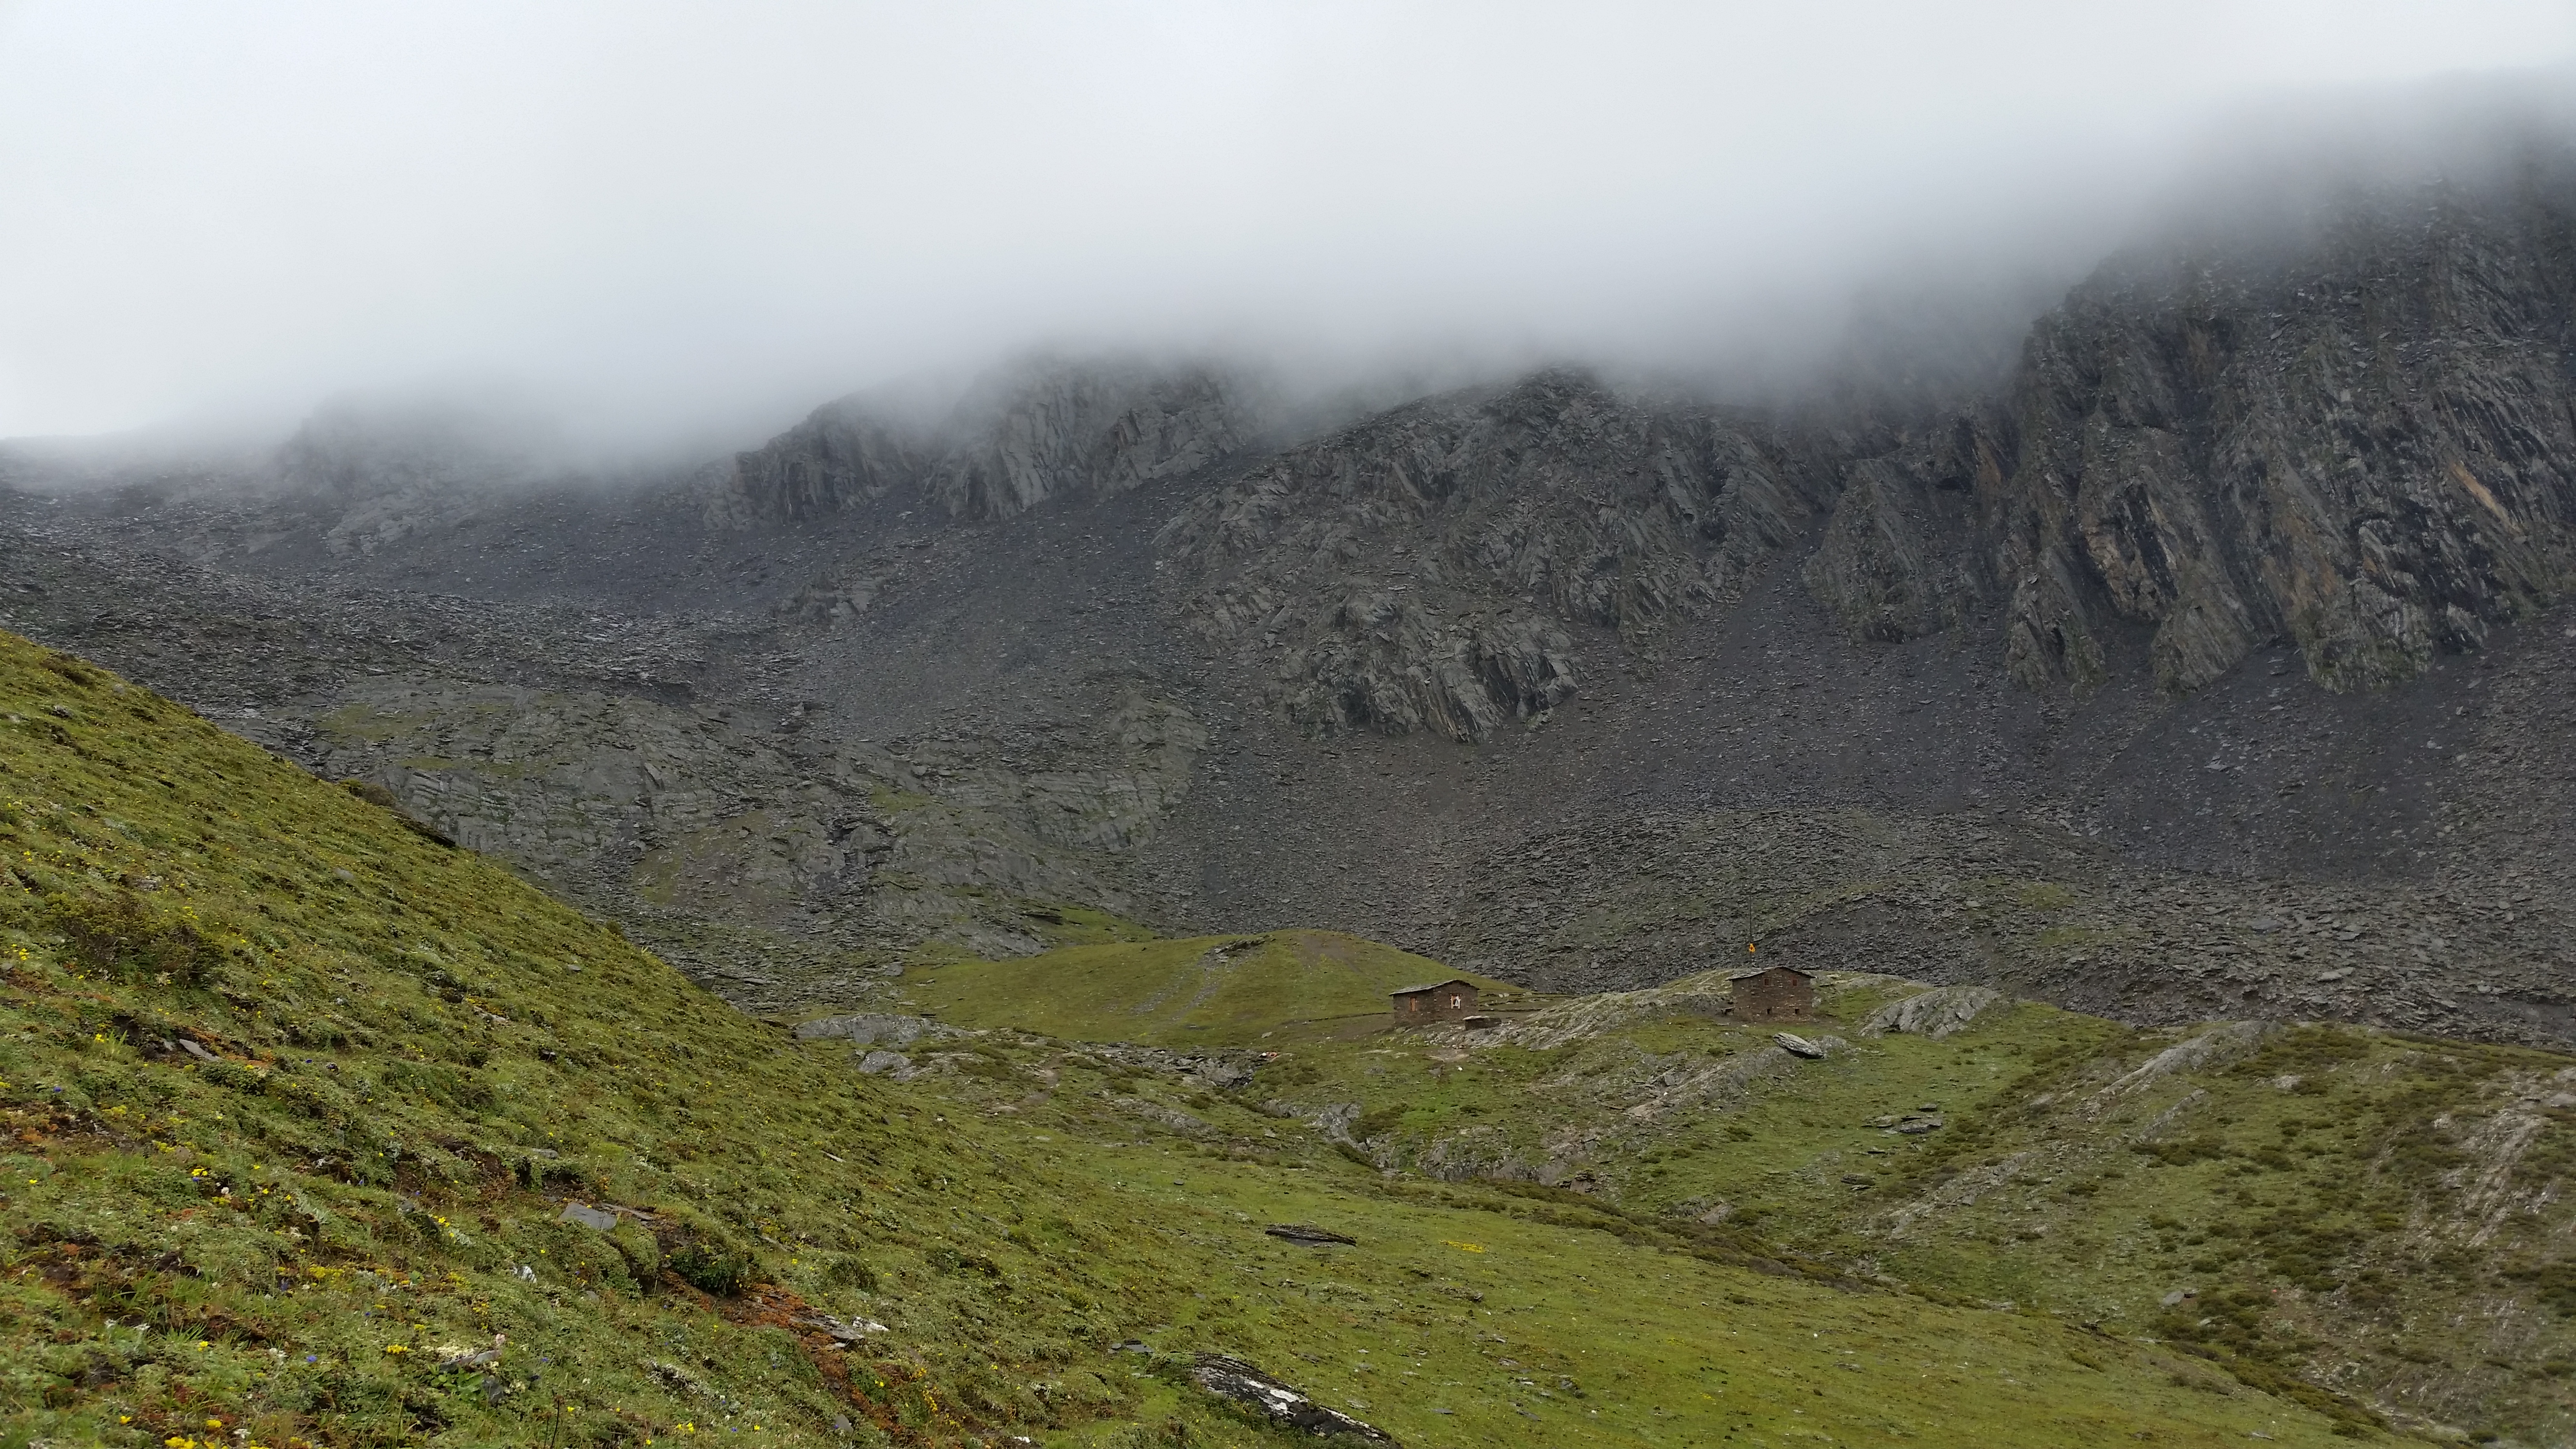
x,y
685,224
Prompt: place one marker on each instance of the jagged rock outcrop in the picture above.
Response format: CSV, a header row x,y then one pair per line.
x,y
845,453
1066,429
2359,437
1421,570
1044,431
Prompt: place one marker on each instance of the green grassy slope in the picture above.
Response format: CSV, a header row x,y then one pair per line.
x,y
1198,991
2381,1216
295,1099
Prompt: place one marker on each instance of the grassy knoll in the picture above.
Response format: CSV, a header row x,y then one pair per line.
x,y
1198,991
295,1100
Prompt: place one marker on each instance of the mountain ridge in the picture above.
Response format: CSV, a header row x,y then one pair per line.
x,y
2140,600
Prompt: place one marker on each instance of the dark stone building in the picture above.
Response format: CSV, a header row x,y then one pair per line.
x,y
1781,993
1451,1000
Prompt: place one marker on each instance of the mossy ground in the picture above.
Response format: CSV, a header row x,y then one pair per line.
x,y
296,1098
1193,991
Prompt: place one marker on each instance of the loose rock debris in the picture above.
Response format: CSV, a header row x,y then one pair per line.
x,y
847,1330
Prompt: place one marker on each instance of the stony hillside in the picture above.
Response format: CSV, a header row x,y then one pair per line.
x,y
324,1131
2215,656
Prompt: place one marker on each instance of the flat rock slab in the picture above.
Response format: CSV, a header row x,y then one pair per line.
x,y
1234,1379
1938,1013
1797,1046
1311,1236
873,1029
596,1219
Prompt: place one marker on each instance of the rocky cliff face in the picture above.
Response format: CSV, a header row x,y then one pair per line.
x,y
1421,571
2359,440
2364,442
1043,431
845,454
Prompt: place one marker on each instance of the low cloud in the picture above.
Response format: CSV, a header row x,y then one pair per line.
x,y
692,222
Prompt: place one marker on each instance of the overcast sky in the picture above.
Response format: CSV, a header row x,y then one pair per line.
x,y
666,217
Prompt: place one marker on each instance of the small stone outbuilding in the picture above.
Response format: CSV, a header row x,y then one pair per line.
x,y
1781,993
1451,1000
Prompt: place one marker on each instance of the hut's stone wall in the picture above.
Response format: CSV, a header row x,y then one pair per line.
x,y
1779,994
1448,1001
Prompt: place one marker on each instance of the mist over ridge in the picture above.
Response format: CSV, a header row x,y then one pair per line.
x,y
681,232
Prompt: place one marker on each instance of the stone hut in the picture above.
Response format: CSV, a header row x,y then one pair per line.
x,y
1781,993
1451,1000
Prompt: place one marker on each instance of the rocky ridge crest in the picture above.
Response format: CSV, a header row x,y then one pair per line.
x,y
1045,430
